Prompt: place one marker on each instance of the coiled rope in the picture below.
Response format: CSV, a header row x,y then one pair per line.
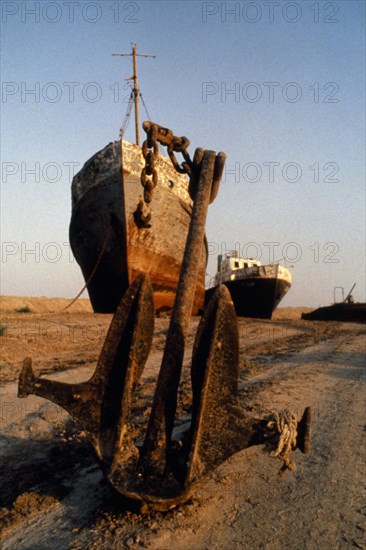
x,y
282,434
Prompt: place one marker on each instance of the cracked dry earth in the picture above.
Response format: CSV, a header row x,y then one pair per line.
x,y
53,493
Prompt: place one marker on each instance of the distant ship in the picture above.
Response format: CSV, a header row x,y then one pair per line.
x,y
130,214
347,311
256,289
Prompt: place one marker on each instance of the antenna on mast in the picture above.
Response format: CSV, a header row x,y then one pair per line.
x,y
135,90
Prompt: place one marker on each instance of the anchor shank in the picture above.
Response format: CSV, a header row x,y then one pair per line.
x,y
165,400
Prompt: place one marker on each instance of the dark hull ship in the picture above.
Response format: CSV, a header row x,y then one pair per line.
x,y
256,290
346,311
109,242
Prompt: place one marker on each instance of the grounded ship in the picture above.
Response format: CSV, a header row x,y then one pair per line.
x,y
120,228
347,311
256,289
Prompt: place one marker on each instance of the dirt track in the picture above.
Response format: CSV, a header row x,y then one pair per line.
x,y
54,495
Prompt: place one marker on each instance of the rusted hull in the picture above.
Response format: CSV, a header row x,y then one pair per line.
x,y
103,230
255,297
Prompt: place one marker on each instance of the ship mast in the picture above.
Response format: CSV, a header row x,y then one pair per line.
x,y
135,91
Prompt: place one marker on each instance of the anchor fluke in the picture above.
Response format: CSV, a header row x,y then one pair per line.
x,y
101,405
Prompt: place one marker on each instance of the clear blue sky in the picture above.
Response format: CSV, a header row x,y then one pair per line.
x,y
278,86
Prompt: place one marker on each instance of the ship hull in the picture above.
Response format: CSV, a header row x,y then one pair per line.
x,y
350,313
255,297
108,245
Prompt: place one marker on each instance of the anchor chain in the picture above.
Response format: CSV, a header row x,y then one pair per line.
x,y
157,134
174,144
149,180
149,174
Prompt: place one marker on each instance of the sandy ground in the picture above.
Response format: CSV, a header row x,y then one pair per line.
x,y
54,495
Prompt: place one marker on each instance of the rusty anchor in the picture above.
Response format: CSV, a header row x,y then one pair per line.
x,y
162,471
